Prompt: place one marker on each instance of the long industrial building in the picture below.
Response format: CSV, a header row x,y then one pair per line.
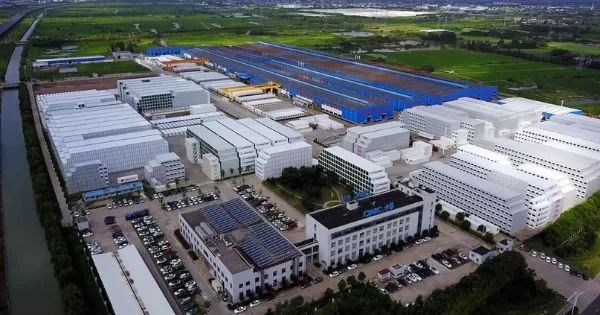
x,y
384,137
226,147
272,160
92,134
354,91
364,175
164,93
583,171
570,135
489,201
544,198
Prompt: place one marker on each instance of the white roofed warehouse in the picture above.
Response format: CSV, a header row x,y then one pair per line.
x,y
158,94
362,174
92,134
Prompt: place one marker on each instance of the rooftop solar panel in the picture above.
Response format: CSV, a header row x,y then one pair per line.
x,y
219,219
241,212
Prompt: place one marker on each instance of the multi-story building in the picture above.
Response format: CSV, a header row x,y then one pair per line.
x,y
566,134
347,231
275,137
259,141
244,252
579,121
383,140
92,134
201,141
583,171
164,93
245,150
353,133
164,169
291,134
362,174
568,191
489,201
272,160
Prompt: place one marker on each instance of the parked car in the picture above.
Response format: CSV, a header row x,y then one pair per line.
x,y
305,285
334,274
534,253
352,267
318,280
434,270
254,303
240,309
378,257
181,293
170,276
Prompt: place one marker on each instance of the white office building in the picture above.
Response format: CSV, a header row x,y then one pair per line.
x,y
244,252
566,134
348,231
494,203
272,160
584,172
164,169
543,197
164,93
362,174
92,134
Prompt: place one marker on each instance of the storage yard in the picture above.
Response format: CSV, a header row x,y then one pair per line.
x,y
354,91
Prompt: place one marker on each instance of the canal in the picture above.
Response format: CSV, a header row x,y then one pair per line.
x,y
32,286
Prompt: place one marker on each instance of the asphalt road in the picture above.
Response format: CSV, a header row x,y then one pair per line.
x,y
593,308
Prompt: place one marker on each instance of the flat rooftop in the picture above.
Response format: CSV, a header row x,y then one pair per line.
x,y
354,159
340,215
245,239
210,137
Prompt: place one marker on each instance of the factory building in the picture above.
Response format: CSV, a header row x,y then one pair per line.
x,y
158,94
164,169
217,157
258,140
273,136
348,89
548,110
383,137
244,252
364,175
92,134
583,171
579,121
272,160
244,148
543,198
347,231
438,121
563,182
489,201
291,134
570,135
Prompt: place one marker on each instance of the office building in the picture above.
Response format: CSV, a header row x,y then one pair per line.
x,y
584,172
489,201
164,169
164,93
364,175
272,160
566,134
244,252
348,231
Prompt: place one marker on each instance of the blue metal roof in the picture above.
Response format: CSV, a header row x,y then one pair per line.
x,y
112,190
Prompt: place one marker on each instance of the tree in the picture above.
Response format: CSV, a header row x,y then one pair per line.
x,y
460,216
410,240
342,285
465,224
352,282
489,237
231,170
589,239
425,233
438,208
445,215
177,182
361,276
481,228
427,68
328,294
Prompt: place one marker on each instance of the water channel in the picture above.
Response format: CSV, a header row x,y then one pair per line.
x,y
31,283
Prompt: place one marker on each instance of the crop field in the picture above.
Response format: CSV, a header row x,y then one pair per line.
x,y
572,47
554,82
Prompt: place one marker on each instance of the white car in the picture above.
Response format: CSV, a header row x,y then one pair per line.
x,y
560,266
419,241
463,256
239,309
254,303
446,263
378,257
109,206
567,268
543,256
553,261
382,290
434,270
352,267
334,274
548,260
427,239
534,253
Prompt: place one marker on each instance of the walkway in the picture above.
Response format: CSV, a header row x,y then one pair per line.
x,y
60,196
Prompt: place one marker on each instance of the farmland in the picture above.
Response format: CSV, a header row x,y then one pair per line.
x,y
85,70
554,82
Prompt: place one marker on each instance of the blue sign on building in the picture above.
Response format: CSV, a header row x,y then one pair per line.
x,y
355,195
381,209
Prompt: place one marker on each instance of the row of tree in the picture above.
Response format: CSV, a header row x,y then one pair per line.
x,y
498,283
64,270
461,220
575,230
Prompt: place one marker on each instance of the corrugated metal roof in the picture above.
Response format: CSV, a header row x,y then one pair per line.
x,y
286,131
244,131
211,138
262,129
228,135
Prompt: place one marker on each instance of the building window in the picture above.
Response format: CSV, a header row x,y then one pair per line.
x,y
241,285
300,264
282,270
247,283
256,279
275,282
274,273
266,276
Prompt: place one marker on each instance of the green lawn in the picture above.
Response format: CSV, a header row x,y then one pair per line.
x,y
292,197
555,82
89,69
570,46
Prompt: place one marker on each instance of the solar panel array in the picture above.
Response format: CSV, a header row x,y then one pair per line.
x,y
241,212
220,220
267,247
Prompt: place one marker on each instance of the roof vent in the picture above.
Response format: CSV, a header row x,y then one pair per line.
x,y
352,205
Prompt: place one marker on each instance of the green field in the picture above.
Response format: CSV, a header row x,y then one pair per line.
x,y
554,82
86,70
570,46
329,196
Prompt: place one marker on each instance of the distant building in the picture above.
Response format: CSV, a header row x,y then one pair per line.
x,y
271,161
505,245
122,54
67,61
164,169
480,255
